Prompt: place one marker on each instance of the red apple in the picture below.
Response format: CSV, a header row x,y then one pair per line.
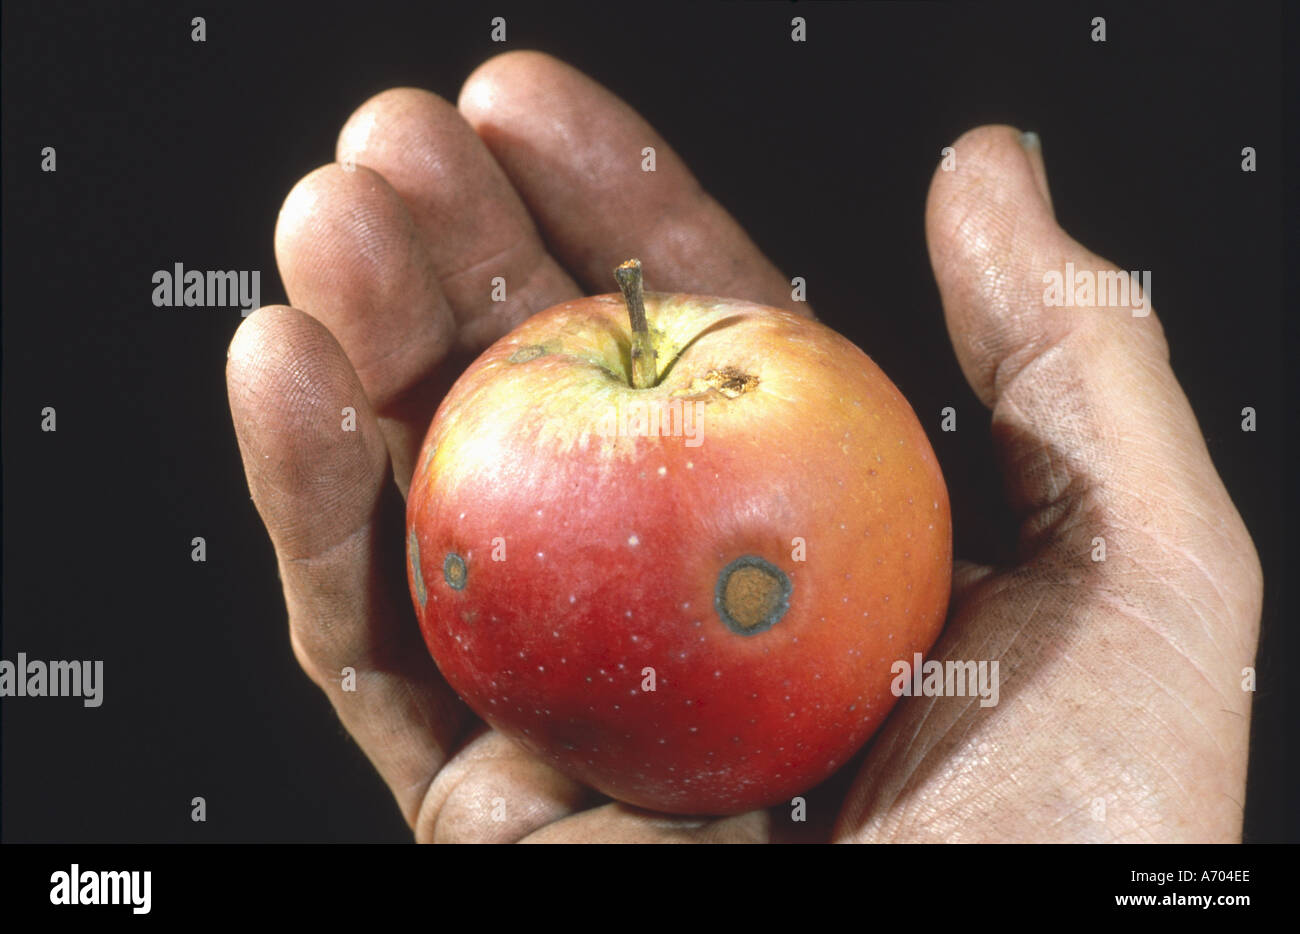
x,y
693,611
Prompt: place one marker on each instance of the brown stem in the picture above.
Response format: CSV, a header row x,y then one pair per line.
x,y
644,370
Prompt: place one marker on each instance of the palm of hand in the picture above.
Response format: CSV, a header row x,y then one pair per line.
x,y
1121,715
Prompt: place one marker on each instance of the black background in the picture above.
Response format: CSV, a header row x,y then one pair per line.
x,y
174,151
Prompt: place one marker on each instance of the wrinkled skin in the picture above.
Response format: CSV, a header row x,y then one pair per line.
x,y
1121,680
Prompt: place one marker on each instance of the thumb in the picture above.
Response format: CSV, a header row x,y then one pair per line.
x,y
1095,435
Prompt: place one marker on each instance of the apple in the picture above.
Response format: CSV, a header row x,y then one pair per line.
x,y
673,544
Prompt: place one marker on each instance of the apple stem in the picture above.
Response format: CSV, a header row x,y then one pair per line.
x,y
644,370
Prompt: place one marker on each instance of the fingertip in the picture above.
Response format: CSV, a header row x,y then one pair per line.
x,y
991,231
350,254
995,163
312,450
398,129
298,211
281,364
471,222
482,88
246,350
356,131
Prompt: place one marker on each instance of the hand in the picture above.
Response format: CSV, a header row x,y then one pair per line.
x,y
1119,679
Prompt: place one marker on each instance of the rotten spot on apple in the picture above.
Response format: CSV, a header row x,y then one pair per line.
x,y
634,545
752,596
454,571
729,381
524,354
417,574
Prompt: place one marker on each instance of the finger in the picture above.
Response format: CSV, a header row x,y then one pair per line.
x,y
620,823
1114,652
493,791
351,257
470,218
575,153
1091,423
337,527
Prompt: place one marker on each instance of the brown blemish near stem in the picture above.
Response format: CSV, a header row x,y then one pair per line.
x,y
731,382
728,381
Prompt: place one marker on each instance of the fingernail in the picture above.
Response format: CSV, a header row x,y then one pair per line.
x,y
1034,150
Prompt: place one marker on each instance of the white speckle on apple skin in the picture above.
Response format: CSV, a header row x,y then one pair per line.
x,y
663,471
633,541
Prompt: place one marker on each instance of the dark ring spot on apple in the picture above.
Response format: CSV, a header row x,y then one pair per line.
x,y
752,595
524,354
416,574
454,571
